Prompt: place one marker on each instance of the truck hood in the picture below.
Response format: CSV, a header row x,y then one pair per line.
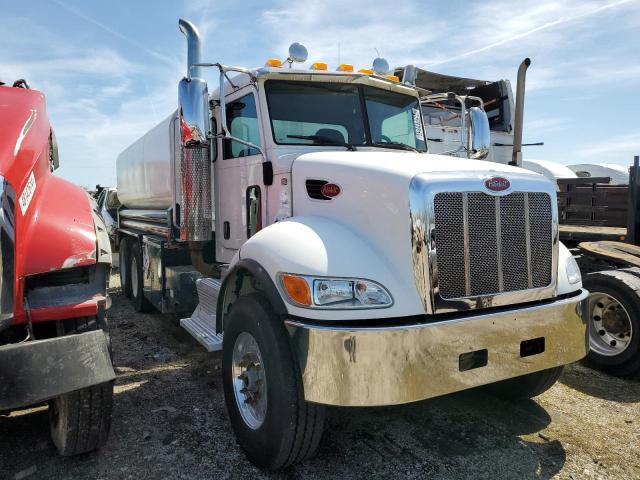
x,y
403,164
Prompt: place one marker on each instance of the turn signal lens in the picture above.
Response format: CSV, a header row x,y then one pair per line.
x,y
345,67
273,62
366,71
393,78
297,289
319,66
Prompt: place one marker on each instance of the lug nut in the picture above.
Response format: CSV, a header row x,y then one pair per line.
x,y
601,332
612,343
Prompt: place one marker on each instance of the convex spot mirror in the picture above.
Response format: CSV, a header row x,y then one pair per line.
x,y
478,133
297,53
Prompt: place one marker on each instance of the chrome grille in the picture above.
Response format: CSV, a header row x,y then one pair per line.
x,y
492,244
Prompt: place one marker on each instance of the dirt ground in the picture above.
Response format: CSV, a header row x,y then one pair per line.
x,y
169,421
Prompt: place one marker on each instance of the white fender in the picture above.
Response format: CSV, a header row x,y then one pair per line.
x,y
319,246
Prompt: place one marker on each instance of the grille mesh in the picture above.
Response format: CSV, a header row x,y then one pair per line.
x,y
485,248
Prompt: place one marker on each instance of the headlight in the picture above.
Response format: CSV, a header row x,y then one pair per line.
x,y
337,293
573,271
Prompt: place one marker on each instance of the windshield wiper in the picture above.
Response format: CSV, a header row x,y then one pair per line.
x,y
396,145
324,141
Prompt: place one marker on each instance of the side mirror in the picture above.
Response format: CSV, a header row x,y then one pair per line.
x,y
478,134
193,101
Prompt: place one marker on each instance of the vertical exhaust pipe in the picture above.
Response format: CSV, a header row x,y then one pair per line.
x,y
193,164
516,158
194,47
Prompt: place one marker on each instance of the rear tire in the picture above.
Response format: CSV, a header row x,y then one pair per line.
x,y
614,321
80,421
286,429
140,302
125,277
526,386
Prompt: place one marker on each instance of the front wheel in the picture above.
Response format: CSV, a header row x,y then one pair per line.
x,y
263,389
526,386
80,420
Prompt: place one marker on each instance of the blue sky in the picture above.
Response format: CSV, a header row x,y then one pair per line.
x,y
110,69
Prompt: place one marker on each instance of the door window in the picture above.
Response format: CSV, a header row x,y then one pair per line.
x,y
242,121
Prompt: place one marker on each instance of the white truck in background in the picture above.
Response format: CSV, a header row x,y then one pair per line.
x,y
335,261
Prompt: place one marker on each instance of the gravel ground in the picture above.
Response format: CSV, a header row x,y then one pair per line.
x,y
169,421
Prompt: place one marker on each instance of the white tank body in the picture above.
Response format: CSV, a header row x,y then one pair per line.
x,y
145,169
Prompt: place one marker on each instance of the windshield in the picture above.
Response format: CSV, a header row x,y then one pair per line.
x,y
314,113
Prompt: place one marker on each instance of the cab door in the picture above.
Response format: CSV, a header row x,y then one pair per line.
x,y
240,193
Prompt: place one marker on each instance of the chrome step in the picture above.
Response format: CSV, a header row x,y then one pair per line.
x,y
203,332
202,324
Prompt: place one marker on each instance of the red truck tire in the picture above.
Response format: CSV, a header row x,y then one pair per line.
x,y
80,421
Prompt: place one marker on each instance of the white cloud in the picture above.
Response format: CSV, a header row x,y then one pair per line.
x,y
619,149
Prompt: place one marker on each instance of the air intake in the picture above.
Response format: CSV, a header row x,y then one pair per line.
x,y
314,189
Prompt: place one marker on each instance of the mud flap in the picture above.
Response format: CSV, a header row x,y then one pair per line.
x,y
33,372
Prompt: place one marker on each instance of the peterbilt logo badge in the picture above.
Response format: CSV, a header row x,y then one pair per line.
x,y
330,190
497,184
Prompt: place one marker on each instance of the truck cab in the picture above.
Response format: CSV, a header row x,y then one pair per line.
x,y
336,261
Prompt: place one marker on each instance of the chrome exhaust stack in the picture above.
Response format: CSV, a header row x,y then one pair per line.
x,y
516,158
194,47
193,165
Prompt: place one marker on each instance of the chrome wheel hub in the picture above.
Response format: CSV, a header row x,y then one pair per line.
x,y
249,380
610,327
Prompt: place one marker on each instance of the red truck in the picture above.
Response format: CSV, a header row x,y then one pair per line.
x,y
54,344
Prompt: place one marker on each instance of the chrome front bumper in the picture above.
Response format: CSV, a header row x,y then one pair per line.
x,y
351,366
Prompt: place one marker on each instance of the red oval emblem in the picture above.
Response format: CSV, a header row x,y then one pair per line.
x,y
497,184
330,190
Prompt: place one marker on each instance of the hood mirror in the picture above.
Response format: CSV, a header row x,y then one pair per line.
x,y
380,66
478,134
297,53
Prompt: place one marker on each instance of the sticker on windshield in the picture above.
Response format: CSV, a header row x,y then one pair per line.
x,y
27,193
417,124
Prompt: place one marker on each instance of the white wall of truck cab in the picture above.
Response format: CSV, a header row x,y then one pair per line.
x,y
619,173
145,169
365,231
551,170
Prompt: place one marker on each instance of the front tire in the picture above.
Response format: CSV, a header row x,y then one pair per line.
x,y
80,421
263,388
526,386
614,321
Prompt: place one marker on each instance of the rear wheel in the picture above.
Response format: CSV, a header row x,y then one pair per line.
x,y
263,389
140,302
614,321
526,386
80,421
125,277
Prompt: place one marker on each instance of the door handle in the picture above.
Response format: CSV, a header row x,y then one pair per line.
x,y
226,230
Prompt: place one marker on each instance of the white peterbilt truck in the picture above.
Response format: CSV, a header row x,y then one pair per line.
x,y
336,261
